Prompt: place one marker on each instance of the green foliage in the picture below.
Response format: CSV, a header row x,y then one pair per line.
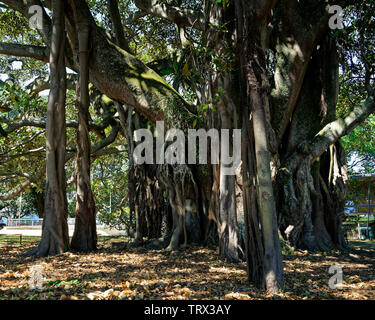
x,y
359,188
19,101
109,183
357,47
18,207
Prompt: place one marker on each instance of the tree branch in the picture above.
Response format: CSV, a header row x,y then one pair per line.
x,y
23,143
94,151
331,133
108,140
117,26
179,16
26,153
107,151
41,84
135,16
13,126
22,187
20,50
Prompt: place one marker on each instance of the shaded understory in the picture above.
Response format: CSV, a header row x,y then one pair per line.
x,y
116,271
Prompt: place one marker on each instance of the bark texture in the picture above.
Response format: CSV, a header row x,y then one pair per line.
x,y
84,236
265,264
55,237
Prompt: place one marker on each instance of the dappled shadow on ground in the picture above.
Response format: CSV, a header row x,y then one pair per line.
x,y
196,273
358,267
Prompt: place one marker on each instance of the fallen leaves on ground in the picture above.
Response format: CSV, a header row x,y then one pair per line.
x,y
195,273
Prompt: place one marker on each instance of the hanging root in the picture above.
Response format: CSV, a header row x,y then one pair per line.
x,y
176,180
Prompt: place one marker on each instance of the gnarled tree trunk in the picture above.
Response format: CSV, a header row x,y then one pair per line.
x,y
55,236
308,216
84,237
265,262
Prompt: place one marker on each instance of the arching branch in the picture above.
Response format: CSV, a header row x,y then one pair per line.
x,y
179,16
95,152
29,51
22,187
331,133
40,84
13,126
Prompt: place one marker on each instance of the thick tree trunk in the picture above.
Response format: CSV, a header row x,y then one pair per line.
x,y
229,237
335,196
253,234
84,238
265,267
272,252
229,230
306,188
55,236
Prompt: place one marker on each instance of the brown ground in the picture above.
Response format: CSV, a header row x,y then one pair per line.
x,y
197,273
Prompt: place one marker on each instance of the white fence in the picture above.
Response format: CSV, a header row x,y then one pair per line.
x,y
24,222
35,222
352,210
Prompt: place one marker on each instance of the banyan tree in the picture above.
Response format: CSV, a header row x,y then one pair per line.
x,y
271,69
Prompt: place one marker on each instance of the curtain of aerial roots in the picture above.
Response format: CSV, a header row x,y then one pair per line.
x,y
173,181
84,237
55,236
222,207
163,198
159,191
147,201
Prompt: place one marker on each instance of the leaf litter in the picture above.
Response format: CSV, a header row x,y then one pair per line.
x,y
195,273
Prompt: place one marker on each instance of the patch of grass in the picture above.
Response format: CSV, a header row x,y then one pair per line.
x,y
16,239
30,240
286,249
59,283
110,239
363,243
